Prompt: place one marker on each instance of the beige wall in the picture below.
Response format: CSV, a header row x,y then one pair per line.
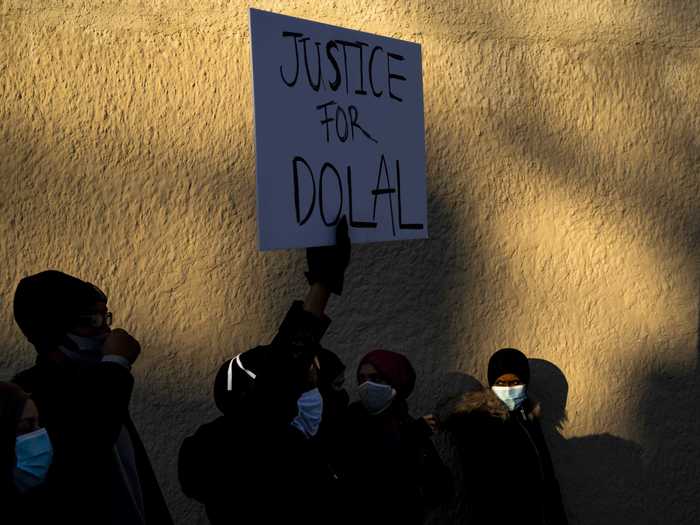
x,y
563,148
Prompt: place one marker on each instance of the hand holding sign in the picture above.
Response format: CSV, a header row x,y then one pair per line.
x,y
327,264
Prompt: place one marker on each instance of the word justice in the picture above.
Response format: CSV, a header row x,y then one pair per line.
x,y
356,66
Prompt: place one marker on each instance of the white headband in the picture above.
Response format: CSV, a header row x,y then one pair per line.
x,y
237,359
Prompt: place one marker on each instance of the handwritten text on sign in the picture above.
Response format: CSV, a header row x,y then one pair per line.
x,y
338,131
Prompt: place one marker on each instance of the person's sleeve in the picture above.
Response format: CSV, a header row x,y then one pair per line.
x,y
191,468
118,359
434,477
109,396
555,506
436,481
95,407
212,466
301,328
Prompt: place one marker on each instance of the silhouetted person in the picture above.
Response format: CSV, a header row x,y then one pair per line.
x,y
394,474
82,386
259,462
506,464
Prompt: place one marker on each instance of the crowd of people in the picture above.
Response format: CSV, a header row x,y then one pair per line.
x,y
289,446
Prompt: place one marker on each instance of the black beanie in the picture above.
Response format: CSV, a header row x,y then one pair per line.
x,y
279,372
508,361
331,367
46,304
230,396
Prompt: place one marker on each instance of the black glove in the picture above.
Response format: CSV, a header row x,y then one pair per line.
x,y
327,264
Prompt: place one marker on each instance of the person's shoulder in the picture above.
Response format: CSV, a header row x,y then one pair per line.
x,y
211,438
480,405
216,427
31,378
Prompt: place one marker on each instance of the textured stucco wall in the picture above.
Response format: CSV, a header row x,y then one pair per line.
x,y
563,148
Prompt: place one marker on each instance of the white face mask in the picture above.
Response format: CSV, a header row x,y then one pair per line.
x,y
34,455
375,397
89,348
512,396
91,345
310,406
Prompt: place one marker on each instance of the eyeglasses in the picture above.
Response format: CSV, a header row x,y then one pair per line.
x,y
97,319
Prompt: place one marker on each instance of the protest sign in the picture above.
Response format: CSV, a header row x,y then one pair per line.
x,y
338,131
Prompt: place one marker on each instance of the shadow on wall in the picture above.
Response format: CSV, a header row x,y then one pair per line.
x,y
671,429
601,476
604,477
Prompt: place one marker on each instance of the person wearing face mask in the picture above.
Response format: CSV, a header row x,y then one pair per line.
x,y
257,462
25,457
394,472
260,462
503,451
82,385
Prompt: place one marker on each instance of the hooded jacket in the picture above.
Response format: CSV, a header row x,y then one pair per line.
x,y
251,465
100,472
507,468
86,412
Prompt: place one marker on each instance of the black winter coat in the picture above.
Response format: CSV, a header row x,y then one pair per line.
x,y
84,410
247,473
506,464
391,468
30,508
251,466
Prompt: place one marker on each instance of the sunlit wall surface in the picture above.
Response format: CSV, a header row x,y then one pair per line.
x,y
563,152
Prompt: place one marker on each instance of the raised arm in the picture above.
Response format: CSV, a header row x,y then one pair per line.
x,y
327,266
306,321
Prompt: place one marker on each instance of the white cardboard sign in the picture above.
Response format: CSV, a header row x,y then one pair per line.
x,y
338,131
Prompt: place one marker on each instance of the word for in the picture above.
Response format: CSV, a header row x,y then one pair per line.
x,y
347,128
329,170
369,60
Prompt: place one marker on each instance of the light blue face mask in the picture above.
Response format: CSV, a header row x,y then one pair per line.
x,y
310,406
512,396
34,455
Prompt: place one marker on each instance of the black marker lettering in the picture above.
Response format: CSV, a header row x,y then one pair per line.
x,y
321,198
384,191
392,75
353,222
345,45
403,226
296,55
335,83
326,119
353,124
295,163
361,91
371,71
319,77
339,111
